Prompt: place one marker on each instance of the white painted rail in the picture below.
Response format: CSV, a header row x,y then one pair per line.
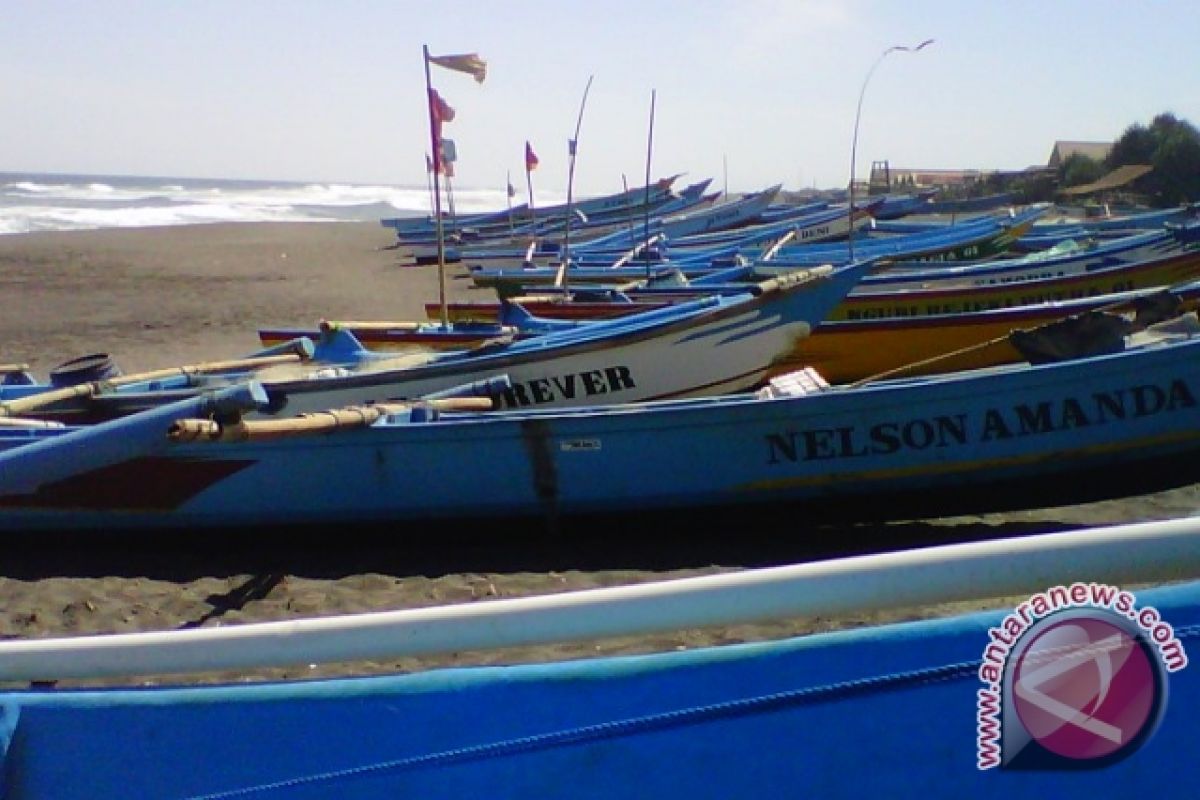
x,y
1125,554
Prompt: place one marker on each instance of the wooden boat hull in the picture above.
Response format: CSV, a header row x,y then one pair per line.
x,y
844,351
1016,436
1055,285
710,346
871,332
847,350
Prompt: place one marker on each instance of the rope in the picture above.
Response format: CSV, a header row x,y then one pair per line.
x,y
729,709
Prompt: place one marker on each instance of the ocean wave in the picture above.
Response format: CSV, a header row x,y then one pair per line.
x,y
31,202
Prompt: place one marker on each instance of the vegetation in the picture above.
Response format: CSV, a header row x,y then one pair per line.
x,y
1078,169
1172,146
1169,144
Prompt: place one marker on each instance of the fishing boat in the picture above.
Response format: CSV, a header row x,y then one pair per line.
x,y
919,701
710,345
1120,419
534,239
680,239
1154,259
1044,234
850,350
498,222
970,241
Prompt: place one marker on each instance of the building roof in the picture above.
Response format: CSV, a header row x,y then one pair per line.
x,y
1097,151
1119,177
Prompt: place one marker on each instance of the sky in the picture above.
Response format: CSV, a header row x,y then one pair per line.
x,y
749,93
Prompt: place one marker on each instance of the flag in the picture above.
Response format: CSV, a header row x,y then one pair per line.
x,y
439,111
531,159
469,63
442,112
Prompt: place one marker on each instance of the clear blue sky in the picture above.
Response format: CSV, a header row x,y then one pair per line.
x,y
334,90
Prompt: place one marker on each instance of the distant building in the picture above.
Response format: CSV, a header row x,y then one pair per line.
x,y
885,178
1097,151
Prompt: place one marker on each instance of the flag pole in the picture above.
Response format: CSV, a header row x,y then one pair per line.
x,y
649,148
429,180
628,207
508,195
529,186
437,194
573,145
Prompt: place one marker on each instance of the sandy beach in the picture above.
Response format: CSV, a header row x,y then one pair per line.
x,y
160,297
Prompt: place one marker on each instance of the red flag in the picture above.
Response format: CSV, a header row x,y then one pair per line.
x,y
531,159
440,111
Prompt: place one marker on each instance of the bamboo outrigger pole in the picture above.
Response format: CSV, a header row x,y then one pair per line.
x,y
1146,552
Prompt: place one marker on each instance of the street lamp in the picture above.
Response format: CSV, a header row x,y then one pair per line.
x,y
857,116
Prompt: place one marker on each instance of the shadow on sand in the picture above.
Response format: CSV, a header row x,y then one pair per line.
x,y
496,546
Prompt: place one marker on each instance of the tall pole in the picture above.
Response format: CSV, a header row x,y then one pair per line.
x,y
508,195
649,149
854,142
429,180
437,194
572,147
628,207
529,188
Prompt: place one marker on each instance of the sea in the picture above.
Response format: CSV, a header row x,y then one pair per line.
x,y
61,202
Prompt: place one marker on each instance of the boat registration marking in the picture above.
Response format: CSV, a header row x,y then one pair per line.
x,y
579,445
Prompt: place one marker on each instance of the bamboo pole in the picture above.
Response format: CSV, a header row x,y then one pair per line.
x,y
24,405
21,422
562,279
350,417
1135,553
649,150
436,144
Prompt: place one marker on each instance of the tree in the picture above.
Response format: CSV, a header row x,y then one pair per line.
x,y
1172,147
1079,169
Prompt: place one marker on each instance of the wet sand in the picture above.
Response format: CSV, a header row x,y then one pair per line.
x,y
160,297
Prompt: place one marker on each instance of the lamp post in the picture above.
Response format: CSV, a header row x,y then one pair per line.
x,y
857,116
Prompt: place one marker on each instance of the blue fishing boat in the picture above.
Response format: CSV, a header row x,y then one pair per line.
x,y
1166,257
947,706
670,241
1121,419
976,240
636,200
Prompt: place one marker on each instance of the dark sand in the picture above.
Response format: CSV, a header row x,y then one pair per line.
x,y
160,297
